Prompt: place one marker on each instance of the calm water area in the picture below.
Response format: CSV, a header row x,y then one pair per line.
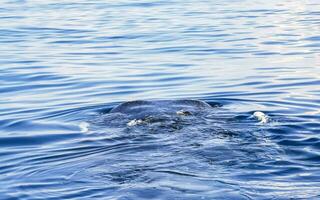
x,y
65,64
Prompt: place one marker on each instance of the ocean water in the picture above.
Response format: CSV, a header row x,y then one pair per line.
x,y
65,64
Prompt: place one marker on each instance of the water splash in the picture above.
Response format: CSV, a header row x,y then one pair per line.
x,y
84,127
262,117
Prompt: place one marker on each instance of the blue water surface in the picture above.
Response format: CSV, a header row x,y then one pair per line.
x,y
65,64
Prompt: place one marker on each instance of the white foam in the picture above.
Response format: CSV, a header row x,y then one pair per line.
x,y
84,127
135,122
263,118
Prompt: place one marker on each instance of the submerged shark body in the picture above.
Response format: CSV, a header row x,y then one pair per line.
x,y
164,113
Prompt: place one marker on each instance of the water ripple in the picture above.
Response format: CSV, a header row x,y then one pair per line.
x,y
65,65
